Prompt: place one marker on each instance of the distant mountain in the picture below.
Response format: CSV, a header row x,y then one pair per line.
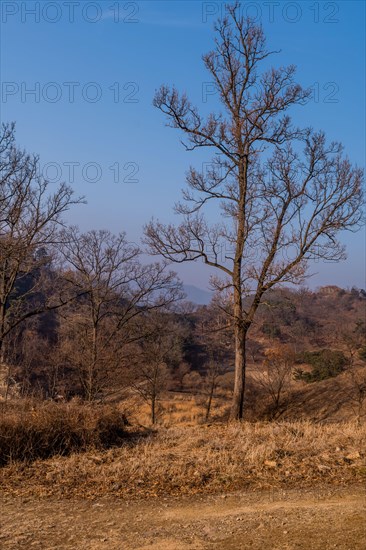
x,y
197,295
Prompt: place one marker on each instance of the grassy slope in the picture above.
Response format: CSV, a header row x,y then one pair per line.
x,y
201,459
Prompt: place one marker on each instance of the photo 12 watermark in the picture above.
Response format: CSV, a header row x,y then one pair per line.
x,y
272,12
69,11
69,92
327,92
72,172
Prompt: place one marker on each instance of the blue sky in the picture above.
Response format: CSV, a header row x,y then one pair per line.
x,y
94,66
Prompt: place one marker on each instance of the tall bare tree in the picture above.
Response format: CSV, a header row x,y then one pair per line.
x,y
30,219
284,193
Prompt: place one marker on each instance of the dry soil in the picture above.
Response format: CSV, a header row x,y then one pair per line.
x,y
318,518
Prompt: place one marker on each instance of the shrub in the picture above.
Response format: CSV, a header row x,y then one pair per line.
x,y
325,364
29,430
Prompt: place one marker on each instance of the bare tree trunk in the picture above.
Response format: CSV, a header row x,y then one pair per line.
x,y
209,402
153,408
3,366
6,368
237,407
92,365
7,387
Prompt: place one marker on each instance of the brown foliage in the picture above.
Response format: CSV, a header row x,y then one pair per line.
x,y
30,430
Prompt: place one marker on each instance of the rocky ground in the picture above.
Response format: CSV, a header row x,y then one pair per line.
x,y
322,517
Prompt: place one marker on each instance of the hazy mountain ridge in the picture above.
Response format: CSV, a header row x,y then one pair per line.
x,y
197,295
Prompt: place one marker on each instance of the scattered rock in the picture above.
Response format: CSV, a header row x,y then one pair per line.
x,y
270,463
353,456
323,468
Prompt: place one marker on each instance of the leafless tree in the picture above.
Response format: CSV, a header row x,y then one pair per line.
x,y
351,338
254,349
116,289
158,351
276,376
214,370
180,373
284,193
35,362
30,219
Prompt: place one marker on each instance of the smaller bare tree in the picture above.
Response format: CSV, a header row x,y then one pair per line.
x,y
159,350
180,373
31,355
116,290
254,349
275,379
30,219
214,370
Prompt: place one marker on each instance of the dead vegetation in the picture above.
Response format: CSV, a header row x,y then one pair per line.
x,y
201,459
31,430
90,451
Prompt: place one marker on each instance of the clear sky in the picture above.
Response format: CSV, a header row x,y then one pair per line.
x,y
78,77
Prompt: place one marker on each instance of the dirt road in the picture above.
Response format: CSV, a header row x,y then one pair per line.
x,y
321,518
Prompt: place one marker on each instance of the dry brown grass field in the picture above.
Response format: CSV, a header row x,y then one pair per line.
x,y
187,484
184,456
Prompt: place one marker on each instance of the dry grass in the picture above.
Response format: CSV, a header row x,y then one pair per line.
x,y
30,430
332,400
174,409
213,458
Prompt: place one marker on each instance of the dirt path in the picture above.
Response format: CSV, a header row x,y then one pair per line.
x,y
314,519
